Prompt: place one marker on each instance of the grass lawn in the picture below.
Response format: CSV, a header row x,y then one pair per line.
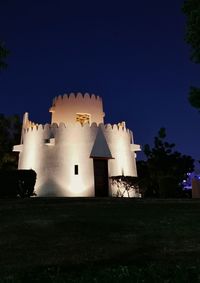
x,y
99,240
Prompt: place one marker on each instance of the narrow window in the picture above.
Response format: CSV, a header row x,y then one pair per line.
x,y
46,140
75,169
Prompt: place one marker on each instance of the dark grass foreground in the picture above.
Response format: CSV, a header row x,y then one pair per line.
x,y
99,240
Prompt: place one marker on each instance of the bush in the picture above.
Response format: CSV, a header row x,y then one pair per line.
x,y
17,183
125,186
9,183
168,187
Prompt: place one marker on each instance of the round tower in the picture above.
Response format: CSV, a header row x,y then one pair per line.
x,y
81,108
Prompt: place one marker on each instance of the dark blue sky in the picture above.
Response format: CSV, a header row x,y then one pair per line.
x,y
131,53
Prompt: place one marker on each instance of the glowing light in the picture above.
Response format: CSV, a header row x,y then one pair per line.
x,y
83,118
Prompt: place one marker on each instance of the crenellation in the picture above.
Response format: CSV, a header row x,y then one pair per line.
x,y
94,125
48,127
115,127
62,125
65,97
87,96
79,95
54,126
40,127
93,97
108,126
72,96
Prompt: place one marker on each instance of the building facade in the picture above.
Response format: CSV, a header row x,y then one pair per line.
x,y
75,155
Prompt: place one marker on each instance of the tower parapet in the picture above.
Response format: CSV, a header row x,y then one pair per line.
x,y
84,108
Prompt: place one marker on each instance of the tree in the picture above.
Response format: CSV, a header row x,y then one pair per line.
x,y
191,9
164,169
10,131
3,55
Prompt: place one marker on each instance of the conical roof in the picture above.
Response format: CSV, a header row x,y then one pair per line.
x,y
100,148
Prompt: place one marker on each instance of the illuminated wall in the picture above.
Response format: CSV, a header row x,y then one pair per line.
x,y
65,108
53,150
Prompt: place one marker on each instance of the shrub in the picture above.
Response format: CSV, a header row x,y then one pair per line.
x,y
17,183
168,187
125,186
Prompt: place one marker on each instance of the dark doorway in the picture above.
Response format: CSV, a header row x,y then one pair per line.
x,y
101,177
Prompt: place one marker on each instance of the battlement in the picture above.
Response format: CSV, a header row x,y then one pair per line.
x,y
77,106
105,127
75,133
76,96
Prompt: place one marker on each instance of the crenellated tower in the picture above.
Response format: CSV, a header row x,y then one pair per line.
x,y
77,153
77,108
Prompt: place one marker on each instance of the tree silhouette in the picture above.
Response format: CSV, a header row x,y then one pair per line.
x,y
10,130
3,55
164,168
191,9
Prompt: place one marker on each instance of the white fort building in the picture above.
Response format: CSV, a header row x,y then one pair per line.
x,y
75,155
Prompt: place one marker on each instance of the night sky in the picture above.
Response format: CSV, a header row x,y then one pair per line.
x,y
131,53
